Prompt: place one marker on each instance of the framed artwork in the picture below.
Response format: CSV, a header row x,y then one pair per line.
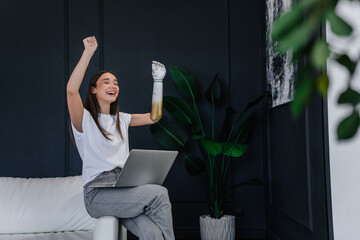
x,y
280,72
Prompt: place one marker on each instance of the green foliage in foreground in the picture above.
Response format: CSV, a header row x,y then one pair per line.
x,y
298,31
188,129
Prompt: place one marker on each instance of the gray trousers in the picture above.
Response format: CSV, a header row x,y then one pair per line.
x,y
145,210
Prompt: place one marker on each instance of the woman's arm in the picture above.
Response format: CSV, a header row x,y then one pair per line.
x,y
75,105
140,120
158,73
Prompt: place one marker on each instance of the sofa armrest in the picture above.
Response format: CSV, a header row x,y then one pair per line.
x,y
107,227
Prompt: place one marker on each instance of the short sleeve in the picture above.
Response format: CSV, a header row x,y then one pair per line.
x,y
85,118
126,117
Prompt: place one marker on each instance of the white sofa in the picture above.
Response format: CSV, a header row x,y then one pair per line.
x,y
50,209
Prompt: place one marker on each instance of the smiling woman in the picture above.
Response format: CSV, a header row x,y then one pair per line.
x,y
100,132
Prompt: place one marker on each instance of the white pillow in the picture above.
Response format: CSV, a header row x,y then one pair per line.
x,y
38,205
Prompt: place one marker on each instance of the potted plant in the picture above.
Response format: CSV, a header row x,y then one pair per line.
x,y
217,152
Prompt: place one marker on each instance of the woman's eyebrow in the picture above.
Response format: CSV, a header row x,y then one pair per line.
x,y
108,79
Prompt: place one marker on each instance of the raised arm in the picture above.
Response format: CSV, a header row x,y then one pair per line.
x,y
75,105
158,73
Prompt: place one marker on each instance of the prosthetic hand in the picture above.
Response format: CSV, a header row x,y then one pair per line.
x,y
158,73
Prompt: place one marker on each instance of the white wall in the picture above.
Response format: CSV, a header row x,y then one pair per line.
x,y
344,155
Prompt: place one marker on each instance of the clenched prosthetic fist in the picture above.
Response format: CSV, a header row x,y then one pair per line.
x,y
158,73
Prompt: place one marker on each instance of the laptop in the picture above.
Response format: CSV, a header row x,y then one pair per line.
x,y
142,167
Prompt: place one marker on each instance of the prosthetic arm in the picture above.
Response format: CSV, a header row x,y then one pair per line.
x,y
158,73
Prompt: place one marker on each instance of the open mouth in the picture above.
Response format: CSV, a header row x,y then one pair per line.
x,y
111,93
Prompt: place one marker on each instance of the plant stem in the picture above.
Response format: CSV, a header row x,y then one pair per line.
x,y
213,115
222,165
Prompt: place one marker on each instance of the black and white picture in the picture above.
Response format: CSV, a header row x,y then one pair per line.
x,y
279,69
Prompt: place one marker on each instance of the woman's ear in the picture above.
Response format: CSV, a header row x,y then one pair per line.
x,y
93,90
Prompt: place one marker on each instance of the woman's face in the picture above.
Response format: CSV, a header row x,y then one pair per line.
x,y
107,88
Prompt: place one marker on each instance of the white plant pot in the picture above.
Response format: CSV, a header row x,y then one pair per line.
x,y
217,229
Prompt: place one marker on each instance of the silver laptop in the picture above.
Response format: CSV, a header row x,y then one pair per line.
x,y
143,167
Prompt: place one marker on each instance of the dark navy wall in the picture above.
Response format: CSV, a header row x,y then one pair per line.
x,y
298,202
41,42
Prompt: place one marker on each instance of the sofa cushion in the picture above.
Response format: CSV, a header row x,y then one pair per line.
x,y
36,205
78,235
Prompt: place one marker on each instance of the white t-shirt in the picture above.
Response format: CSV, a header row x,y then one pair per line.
x,y
98,153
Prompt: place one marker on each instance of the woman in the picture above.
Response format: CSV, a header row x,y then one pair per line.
x,y
101,136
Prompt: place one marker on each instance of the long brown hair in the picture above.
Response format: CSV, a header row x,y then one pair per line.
x,y
92,105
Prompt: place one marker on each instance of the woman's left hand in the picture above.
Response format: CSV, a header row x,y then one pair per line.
x,y
158,71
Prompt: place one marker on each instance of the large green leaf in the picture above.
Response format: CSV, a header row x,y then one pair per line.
x,y
286,22
213,93
234,149
169,134
299,36
350,96
196,124
319,54
230,112
253,103
243,113
194,165
303,92
179,109
349,126
211,146
347,62
338,25
245,129
185,82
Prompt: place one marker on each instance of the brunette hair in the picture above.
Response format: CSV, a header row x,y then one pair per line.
x,y
92,105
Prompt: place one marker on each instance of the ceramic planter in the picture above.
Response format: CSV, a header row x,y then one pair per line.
x,y
217,229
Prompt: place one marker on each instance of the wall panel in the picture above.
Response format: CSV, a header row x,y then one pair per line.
x,y
32,82
41,48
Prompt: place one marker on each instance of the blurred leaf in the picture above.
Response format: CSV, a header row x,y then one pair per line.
x,y
323,84
298,37
347,62
179,109
196,124
338,25
350,96
169,134
234,149
319,54
349,126
213,93
211,146
303,92
286,22
185,82
194,165
302,52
